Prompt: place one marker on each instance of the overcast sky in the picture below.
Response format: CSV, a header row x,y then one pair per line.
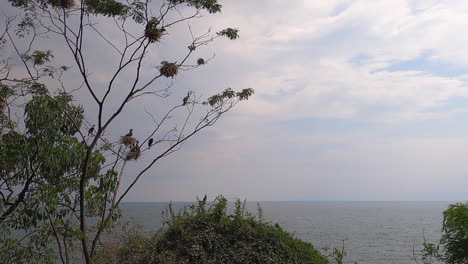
x,y
355,100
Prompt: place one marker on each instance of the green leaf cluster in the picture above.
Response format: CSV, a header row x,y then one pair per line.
x,y
212,6
106,7
39,57
230,33
103,7
227,94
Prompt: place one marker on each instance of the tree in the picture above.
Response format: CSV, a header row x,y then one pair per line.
x,y
453,246
62,165
455,234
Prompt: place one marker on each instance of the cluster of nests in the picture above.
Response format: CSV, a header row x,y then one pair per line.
x,y
62,3
168,69
129,141
152,32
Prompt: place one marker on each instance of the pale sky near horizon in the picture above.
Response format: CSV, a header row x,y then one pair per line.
x,y
355,100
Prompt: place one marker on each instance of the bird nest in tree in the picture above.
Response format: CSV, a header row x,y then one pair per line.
x,y
128,140
63,3
133,154
169,69
153,33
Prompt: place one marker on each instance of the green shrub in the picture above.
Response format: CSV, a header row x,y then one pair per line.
x,y
453,246
206,234
455,237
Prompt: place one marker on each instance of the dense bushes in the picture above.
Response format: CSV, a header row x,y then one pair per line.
x,y
205,233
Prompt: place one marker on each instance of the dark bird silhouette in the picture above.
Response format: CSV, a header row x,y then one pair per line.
x,y
185,100
91,131
150,142
129,134
204,199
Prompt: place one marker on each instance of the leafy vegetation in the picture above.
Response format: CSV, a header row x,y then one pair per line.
x,y
43,164
453,246
455,237
206,233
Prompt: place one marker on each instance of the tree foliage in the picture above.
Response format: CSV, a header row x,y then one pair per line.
x,y
455,233
39,175
207,233
453,245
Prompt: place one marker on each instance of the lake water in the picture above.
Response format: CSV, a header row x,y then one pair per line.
x,y
373,232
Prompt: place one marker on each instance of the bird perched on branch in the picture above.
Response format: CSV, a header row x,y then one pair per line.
x,y
185,100
150,142
129,134
204,199
91,131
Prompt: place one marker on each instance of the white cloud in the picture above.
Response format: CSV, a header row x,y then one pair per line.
x,y
339,89
296,55
302,51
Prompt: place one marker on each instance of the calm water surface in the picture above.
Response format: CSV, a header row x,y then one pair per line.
x,y
373,232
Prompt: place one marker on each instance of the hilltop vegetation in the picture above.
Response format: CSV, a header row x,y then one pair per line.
x,y
207,233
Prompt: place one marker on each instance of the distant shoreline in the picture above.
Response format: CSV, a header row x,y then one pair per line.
x,y
323,201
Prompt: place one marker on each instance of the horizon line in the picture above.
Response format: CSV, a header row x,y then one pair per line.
x,y
307,200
